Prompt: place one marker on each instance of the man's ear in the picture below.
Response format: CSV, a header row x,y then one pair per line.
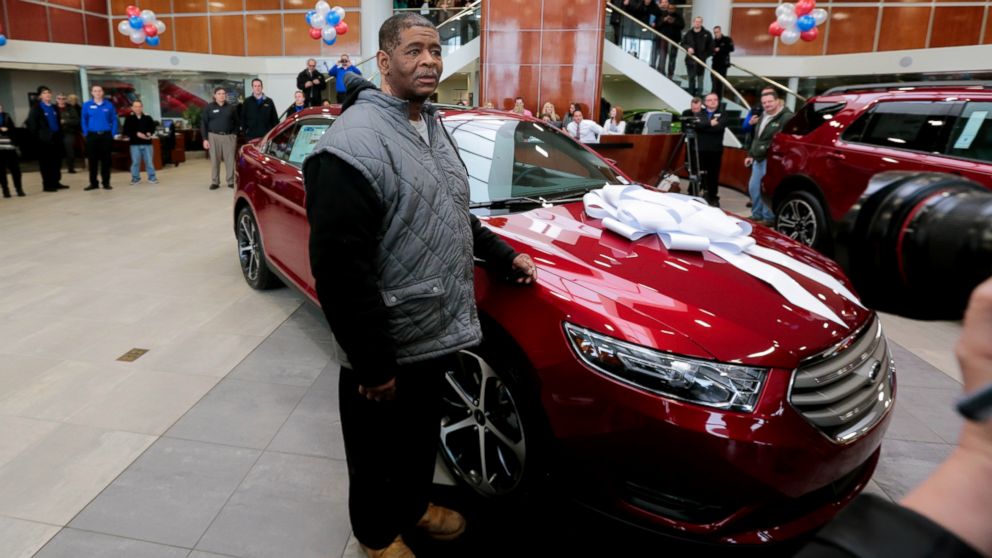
x,y
382,61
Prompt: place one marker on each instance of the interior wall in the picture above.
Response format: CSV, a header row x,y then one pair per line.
x,y
452,89
16,84
630,95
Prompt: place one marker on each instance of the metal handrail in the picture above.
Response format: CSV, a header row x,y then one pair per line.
x,y
715,75
468,9
770,81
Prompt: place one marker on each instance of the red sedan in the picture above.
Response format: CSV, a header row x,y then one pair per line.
x,y
668,388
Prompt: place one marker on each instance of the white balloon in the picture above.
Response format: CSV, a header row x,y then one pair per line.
x,y
160,26
147,16
138,37
340,11
787,20
820,15
319,21
322,7
124,27
789,36
328,33
783,9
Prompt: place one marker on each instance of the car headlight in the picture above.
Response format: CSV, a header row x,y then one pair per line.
x,y
724,386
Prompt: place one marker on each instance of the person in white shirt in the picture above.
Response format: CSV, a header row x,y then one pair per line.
x,y
615,125
586,131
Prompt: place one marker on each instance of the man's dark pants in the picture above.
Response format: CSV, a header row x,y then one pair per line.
x,y
695,72
341,97
50,163
710,161
391,448
99,146
717,84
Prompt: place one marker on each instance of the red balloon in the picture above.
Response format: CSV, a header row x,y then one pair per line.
x,y
804,7
810,35
775,29
133,11
150,29
314,33
341,28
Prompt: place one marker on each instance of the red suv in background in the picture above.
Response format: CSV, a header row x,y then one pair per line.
x,y
820,164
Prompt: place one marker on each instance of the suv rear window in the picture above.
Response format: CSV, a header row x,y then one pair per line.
x,y
812,116
971,137
912,125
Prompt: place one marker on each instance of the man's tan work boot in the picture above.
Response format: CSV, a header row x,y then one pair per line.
x,y
442,524
398,549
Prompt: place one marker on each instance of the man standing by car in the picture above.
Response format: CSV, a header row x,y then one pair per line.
x,y
710,133
338,71
312,83
391,251
220,135
258,112
99,123
723,45
43,122
699,43
774,116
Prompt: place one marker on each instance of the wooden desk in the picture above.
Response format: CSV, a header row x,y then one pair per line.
x,y
644,157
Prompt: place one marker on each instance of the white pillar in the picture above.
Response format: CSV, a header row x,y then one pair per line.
x,y
791,99
374,14
714,12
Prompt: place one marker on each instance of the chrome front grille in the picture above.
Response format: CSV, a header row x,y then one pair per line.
x,y
847,390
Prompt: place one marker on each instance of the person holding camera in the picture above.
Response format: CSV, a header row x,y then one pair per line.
x,y
709,124
338,72
773,118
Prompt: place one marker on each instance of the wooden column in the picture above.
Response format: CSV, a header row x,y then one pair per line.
x,y
542,50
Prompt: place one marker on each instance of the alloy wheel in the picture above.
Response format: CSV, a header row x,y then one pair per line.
x,y
248,246
482,434
797,220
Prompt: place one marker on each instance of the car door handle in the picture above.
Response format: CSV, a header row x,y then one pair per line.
x,y
836,155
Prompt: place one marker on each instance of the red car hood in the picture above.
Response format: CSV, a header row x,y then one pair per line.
x,y
730,315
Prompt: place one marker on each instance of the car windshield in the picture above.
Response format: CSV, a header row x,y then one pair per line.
x,y
509,158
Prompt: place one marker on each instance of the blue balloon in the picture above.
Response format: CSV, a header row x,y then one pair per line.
x,y
152,41
333,18
331,42
3,40
806,22
311,14
136,22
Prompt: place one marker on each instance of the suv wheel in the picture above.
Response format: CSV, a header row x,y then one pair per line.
x,y
251,255
801,217
488,432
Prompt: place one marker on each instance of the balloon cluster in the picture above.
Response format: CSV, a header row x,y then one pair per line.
x,y
3,38
797,21
326,22
141,26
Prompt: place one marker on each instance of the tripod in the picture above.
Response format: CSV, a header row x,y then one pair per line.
x,y
691,142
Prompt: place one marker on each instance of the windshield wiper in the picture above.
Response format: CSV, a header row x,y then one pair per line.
x,y
520,200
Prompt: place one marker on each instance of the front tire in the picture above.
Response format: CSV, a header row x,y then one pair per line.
x,y
492,436
802,218
251,254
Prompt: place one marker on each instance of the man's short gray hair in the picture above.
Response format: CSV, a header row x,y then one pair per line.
x,y
389,33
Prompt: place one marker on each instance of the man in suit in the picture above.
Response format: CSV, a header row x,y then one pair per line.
x,y
43,122
312,83
773,118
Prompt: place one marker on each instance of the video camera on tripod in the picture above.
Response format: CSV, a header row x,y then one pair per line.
x,y
689,138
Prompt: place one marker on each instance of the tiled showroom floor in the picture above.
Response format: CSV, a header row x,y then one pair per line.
x,y
223,439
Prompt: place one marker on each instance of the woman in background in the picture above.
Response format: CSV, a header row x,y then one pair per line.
x,y
615,125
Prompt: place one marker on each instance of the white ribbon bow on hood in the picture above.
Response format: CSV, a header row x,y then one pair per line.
x,y
688,223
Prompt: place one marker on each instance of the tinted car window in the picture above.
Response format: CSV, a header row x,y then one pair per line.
x,y
971,136
306,139
281,145
916,126
812,116
513,158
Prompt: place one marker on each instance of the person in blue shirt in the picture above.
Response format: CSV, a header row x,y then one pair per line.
x,y
299,103
338,72
99,124
43,122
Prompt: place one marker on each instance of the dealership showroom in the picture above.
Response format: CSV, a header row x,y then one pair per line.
x,y
494,278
